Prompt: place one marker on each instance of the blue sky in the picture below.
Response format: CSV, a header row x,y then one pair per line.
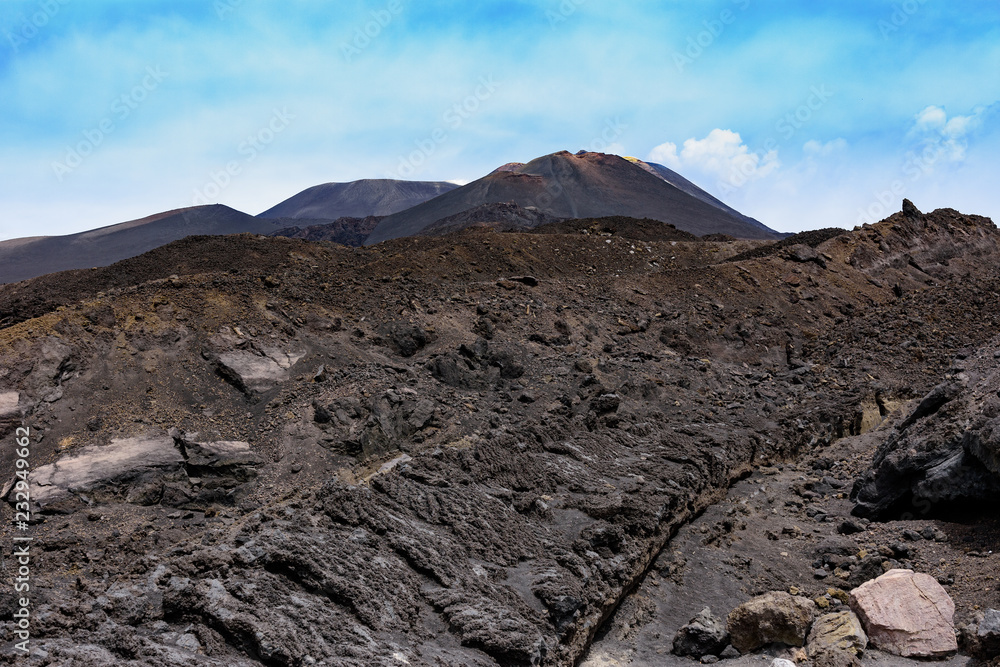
x,y
803,115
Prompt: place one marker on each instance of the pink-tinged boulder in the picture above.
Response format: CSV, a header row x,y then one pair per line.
x,y
907,613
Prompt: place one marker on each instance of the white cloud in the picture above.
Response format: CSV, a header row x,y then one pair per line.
x,y
815,149
720,158
665,154
938,137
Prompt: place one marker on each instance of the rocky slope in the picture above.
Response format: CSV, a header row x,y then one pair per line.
x,y
346,231
504,216
458,450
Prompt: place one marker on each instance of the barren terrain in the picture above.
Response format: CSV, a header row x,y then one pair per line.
x,y
482,448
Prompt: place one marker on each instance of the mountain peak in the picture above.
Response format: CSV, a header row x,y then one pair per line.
x,y
586,184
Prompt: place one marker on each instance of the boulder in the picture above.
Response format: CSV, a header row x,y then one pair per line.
x,y
907,614
984,444
869,568
836,640
220,454
802,253
122,461
404,338
772,617
253,371
704,635
988,634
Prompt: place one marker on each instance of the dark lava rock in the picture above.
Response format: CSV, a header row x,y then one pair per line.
x,y
704,635
850,527
869,568
988,634
605,403
947,451
404,338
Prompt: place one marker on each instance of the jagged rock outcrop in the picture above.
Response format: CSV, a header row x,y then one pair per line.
x,y
945,452
129,462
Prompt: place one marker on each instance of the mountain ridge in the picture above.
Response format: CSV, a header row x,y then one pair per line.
x,y
24,258
357,199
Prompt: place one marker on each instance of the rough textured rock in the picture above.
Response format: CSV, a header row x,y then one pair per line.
x,y
836,640
128,459
218,457
704,635
947,451
907,614
773,617
257,370
988,634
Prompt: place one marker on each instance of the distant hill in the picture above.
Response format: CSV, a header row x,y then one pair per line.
x,y
357,199
25,258
584,185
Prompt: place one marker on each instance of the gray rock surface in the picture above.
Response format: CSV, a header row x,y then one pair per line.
x,y
9,405
256,371
988,634
704,635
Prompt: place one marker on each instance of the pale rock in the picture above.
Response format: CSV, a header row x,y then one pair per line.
x,y
907,614
252,372
8,405
96,465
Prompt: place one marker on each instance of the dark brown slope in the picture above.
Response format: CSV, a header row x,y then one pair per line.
x,y
21,259
585,185
357,199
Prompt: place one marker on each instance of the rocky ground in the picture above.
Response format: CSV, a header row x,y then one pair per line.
x,y
484,448
789,527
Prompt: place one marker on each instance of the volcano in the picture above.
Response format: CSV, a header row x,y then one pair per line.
x,y
584,185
